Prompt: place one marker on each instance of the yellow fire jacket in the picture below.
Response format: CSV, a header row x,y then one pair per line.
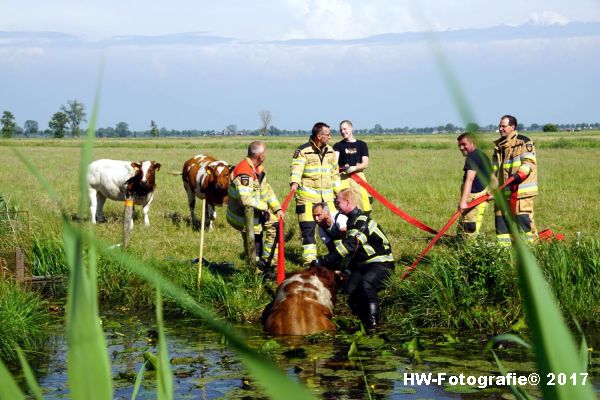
x,y
316,172
512,155
249,188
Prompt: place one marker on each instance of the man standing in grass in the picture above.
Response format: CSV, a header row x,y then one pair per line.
x,y
315,177
514,156
353,157
369,256
477,173
249,189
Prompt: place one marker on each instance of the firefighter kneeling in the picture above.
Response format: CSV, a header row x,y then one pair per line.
x,y
369,255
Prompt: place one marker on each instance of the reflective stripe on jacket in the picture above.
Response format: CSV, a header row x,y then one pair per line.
x,y
249,188
316,172
512,155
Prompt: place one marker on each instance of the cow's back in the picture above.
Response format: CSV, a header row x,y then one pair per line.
x,y
303,304
109,176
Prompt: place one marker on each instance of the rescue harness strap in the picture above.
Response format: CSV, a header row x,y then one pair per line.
x,y
392,207
451,221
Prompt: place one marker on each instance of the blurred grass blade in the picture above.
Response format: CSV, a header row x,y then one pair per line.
x,y
138,381
87,352
553,344
164,375
518,392
87,355
9,390
34,388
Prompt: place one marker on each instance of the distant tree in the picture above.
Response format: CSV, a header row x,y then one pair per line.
x,y
473,127
377,129
154,132
231,129
520,127
75,112
550,128
8,124
274,131
58,124
534,127
122,129
449,128
265,119
31,127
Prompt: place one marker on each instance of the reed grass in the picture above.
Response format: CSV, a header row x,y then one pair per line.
x,y
25,320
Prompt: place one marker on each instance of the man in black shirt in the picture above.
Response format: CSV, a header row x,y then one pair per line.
x,y
353,157
475,181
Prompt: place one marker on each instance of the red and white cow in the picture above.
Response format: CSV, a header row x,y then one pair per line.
x,y
116,180
303,304
206,178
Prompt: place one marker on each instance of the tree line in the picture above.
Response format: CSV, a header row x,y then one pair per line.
x,y
70,117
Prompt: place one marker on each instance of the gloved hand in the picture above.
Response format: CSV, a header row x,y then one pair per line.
x,y
351,170
518,177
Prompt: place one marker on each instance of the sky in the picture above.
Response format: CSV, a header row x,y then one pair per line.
x,y
195,64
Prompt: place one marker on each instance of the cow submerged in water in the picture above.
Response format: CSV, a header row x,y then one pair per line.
x,y
303,304
206,178
117,180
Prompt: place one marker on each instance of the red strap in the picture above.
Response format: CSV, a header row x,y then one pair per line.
x,y
392,207
280,249
451,221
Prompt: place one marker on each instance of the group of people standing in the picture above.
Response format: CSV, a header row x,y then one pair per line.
x,y
328,198
514,156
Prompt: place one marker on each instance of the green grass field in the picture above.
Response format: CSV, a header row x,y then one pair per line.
x,y
420,174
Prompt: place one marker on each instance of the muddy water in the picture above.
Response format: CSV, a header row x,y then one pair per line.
x,y
335,366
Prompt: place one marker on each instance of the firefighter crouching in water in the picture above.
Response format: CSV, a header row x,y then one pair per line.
x,y
369,255
249,188
353,157
315,177
514,155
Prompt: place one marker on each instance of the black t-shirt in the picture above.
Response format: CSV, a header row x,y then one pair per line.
x,y
480,163
351,153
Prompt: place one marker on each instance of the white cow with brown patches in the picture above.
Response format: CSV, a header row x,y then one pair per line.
x,y
117,180
303,304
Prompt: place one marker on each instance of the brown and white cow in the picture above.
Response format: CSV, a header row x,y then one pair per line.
x,y
206,178
117,180
303,304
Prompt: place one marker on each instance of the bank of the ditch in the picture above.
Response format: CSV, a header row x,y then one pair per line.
x,y
467,287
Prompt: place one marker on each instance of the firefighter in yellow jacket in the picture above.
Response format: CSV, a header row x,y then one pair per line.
x,y
514,155
315,177
249,188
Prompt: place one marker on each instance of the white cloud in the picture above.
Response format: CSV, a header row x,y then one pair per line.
x,y
548,18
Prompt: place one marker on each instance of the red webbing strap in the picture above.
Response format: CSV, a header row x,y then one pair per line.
x,y
451,221
280,249
392,207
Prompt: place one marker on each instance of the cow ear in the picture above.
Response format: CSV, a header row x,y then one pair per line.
x,y
156,165
136,166
231,168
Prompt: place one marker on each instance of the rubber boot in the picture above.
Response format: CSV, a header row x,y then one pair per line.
x,y
372,316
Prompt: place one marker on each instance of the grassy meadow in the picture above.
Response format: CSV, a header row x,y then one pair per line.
x,y
420,174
